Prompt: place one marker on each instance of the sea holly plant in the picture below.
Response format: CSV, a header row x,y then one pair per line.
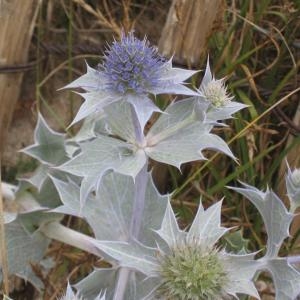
x,y
103,176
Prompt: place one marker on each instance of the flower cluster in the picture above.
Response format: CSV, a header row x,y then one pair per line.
x,y
132,65
215,91
190,272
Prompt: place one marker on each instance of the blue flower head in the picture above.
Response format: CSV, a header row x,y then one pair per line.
x,y
132,65
130,71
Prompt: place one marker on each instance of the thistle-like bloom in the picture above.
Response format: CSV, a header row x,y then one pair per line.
x,y
190,272
132,66
131,70
215,102
189,265
192,267
215,92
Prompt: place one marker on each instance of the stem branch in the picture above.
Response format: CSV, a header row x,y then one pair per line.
x,y
56,231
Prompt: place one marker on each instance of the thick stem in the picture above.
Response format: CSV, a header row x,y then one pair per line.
x,y
121,284
140,186
56,231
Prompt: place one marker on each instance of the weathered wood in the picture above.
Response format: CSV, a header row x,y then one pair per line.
x,y
17,20
189,25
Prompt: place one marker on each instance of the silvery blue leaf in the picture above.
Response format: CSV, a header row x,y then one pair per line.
x,y
222,113
176,116
109,212
240,270
119,119
132,255
154,210
167,87
169,230
286,278
275,215
49,146
207,75
87,130
94,103
39,176
185,145
206,227
23,250
176,75
93,80
143,106
101,279
100,155
178,136
171,81
139,286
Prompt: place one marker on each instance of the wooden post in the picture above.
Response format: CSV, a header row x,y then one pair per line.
x,y
17,20
189,25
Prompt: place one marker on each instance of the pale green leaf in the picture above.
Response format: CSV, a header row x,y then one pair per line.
x,y
49,146
23,250
169,230
206,228
100,155
131,255
240,270
286,279
275,216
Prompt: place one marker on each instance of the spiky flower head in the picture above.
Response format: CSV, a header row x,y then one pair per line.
x,y
193,268
191,272
215,92
132,65
131,70
188,265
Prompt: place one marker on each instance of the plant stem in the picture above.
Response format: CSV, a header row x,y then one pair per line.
x,y
293,259
56,231
140,185
120,288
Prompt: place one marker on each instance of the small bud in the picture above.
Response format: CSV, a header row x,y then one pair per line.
x,y
215,91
